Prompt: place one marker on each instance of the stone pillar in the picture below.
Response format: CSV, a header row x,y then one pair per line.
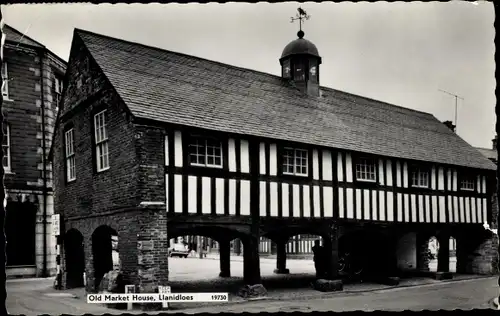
x,y
281,257
444,254
331,244
225,258
422,253
152,253
251,264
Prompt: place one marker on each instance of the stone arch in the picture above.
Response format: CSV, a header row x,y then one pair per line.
x,y
102,251
74,258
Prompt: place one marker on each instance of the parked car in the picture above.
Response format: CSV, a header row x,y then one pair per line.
x,y
178,250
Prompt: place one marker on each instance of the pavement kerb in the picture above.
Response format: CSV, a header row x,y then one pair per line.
x,y
338,293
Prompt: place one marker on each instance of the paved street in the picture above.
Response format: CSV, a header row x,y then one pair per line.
x,y
36,296
466,294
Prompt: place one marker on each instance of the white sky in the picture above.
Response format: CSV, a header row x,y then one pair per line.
x,y
401,53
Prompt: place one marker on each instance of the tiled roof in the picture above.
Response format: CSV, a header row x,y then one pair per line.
x,y
488,153
11,34
176,88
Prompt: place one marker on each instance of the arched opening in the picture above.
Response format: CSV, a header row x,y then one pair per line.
x,y
20,223
202,254
74,258
104,250
432,253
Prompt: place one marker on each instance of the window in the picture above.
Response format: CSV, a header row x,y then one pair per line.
x,y
5,81
366,170
295,161
70,155
58,88
206,152
467,183
101,141
420,178
6,147
299,73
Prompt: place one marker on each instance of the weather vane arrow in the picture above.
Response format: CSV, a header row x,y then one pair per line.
x,y
301,16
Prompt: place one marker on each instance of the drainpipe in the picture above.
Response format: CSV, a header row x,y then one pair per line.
x,y
41,54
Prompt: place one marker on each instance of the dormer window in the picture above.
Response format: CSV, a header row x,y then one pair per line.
x,y
295,161
205,152
366,170
467,183
420,177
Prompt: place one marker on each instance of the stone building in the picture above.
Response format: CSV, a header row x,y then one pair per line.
x,y
32,85
166,145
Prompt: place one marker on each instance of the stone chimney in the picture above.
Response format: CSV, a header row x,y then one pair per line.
x,y
450,125
494,141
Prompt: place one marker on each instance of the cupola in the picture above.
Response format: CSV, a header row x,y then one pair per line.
x,y
300,62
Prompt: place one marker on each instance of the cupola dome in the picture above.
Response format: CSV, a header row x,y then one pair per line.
x,y
300,46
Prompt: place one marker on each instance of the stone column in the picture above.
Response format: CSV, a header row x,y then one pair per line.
x,y
331,244
251,264
225,258
152,253
281,257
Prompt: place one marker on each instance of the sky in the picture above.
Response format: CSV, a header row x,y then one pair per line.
x,y
400,53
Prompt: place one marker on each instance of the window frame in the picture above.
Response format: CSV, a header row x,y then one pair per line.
x,y
7,153
205,139
101,143
374,163
284,161
5,80
58,88
70,157
467,177
420,170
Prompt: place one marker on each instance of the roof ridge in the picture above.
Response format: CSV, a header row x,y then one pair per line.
x,y
22,35
244,69
177,53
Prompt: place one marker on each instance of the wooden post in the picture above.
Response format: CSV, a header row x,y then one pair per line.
x,y
164,290
129,289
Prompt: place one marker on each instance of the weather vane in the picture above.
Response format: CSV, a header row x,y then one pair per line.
x,y
302,15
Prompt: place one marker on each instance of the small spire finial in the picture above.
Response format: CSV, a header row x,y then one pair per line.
x,y
301,16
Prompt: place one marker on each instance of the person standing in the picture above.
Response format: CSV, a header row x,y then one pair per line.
x,y
318,259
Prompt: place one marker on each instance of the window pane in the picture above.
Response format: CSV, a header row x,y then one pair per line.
x,y
210,160
218,161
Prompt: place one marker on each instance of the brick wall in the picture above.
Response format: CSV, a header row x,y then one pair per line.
x,y
150,148
94,192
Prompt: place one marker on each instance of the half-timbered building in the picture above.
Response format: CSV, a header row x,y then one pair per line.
x,y
153,144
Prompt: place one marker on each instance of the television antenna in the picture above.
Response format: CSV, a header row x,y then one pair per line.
x,y
456,105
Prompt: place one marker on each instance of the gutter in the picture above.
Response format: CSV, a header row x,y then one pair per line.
x,y
41,54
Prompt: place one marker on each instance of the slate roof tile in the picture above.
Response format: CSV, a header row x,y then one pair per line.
x,y
175,88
